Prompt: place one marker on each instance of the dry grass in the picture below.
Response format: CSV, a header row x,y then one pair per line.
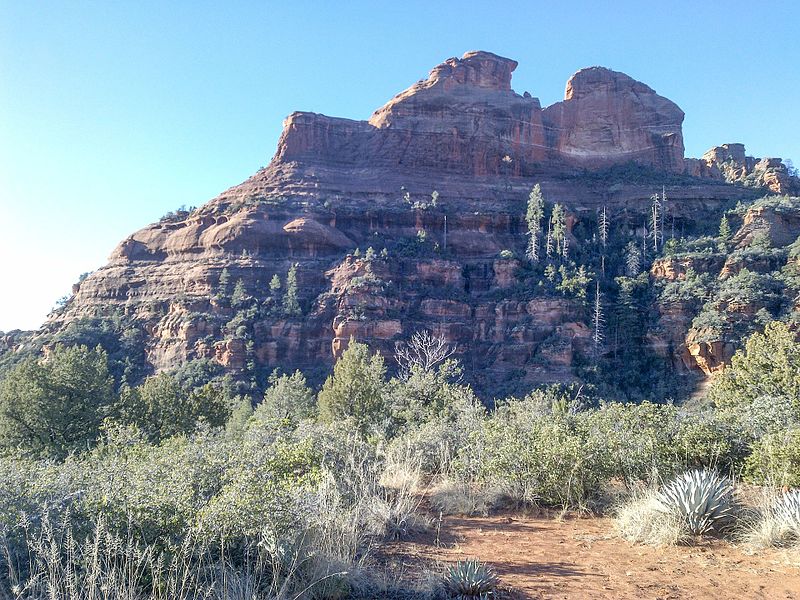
x,y
644,520
458,498
775,520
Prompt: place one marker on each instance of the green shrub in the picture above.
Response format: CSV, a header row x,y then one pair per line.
x,y
775,459
54,407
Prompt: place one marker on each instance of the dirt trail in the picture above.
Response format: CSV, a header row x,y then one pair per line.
x,y
540,557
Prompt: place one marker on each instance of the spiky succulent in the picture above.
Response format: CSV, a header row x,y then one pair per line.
x,y
469,579
786,510
703,498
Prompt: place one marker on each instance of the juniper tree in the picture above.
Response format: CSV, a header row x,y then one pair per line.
x,y
534,217
355,389
55,407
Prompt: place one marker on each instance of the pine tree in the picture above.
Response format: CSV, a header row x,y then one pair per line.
x,y
534,217
565,248
725,233
603,227
598,321
633,264
559,226
549,241
274,285
239,295
550,272
222,284
291,304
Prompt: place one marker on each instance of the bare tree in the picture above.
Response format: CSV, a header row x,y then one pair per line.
x,y
424,350
658,209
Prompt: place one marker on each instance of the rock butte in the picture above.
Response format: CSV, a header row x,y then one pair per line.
x,y
337,184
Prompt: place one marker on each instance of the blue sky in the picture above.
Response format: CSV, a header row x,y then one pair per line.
x,y
113,113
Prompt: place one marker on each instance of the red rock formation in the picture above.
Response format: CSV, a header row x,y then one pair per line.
x,y
338,184
730,163
609,118
465,118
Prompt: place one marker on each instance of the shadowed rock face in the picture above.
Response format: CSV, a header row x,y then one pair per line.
x,y
338,184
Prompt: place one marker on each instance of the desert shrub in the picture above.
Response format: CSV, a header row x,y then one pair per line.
x,y
449,441
775,459
538,459
765,414
159,488
705,440
425,395
636,441
263,487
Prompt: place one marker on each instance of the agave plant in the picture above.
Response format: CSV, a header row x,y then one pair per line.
x,y
469,579
703,498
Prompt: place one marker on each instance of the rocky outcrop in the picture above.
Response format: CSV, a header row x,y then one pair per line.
x,y
778,227
466,119
730,163
609,118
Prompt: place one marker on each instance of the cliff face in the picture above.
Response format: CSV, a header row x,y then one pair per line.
x,y
466,119
608,118
335,185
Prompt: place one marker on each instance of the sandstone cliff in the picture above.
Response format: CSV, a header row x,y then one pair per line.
x,y
338,185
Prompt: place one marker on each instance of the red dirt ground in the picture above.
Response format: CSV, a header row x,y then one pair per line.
x,y
542,557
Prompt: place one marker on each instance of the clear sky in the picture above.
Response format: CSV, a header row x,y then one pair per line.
x,y
113,113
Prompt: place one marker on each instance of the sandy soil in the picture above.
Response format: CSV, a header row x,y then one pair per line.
x,y
542,557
